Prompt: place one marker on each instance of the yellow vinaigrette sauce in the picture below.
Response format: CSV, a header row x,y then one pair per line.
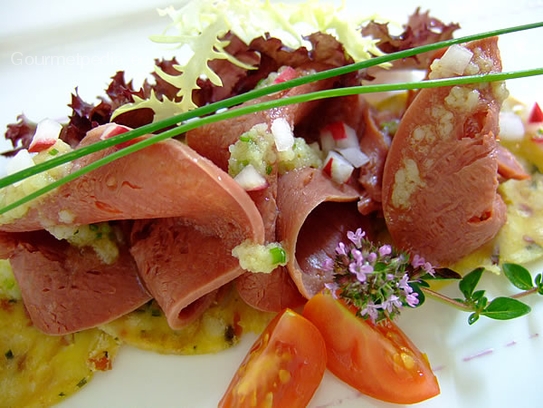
x,y
37,370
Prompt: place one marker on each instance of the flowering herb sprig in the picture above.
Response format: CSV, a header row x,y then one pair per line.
x,y
375,278
380,281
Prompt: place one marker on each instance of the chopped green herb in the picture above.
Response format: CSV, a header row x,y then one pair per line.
x,y
82,382
9,354
278,254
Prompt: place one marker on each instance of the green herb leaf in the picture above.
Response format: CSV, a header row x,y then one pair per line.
x,y
539,283
518,276
446,273
473,318
505,308
469,282
481,301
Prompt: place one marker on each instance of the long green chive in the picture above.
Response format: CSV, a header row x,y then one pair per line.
x,y
196,114
256,93
329,93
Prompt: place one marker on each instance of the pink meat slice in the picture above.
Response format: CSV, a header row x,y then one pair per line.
x,y
181,263
440,195
67,289
315,213
166,179
274,291
169,183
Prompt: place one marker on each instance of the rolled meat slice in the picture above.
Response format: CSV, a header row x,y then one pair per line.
x,y
315,213
166,179
184,193
440,179
67,289
183,264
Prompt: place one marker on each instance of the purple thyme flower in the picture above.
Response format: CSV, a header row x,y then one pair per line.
x,y
412,299
340,249
385,250
333,287
356,237
328,265
403,284
392,302
372,310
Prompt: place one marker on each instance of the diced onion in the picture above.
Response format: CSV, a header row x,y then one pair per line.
x,y
113,129
22,160
337,167
511,127
283,135
456,59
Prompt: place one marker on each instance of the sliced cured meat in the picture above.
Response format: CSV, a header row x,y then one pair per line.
x,y
67,289
440,179
315,213
508,165
269,292
167,179
191,215
183,264
375,144
274,291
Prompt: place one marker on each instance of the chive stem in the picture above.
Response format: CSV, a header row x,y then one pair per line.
x,y
229,114
197,117
238,99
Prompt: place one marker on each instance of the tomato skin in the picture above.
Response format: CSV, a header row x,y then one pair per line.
x,y
283,368
378,360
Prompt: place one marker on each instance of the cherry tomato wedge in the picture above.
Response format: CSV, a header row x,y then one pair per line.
x,y
283,368
378,360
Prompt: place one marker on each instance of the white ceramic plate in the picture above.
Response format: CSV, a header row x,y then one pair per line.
x,y
49,48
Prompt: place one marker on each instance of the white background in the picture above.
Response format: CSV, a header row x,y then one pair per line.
x,y
106,36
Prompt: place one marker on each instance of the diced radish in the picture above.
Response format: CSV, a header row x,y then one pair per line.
x,y
47,134
342,135
355,156
511,127
283,135
286,74
337,167
250,179
536,115
113,129
534,123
